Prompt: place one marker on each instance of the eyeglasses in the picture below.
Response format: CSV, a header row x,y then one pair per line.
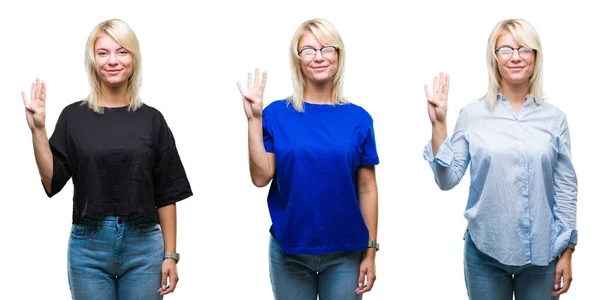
x,y
309,53
506,52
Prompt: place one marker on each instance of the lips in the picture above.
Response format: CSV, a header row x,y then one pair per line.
x,y
113,72
319,68
516,68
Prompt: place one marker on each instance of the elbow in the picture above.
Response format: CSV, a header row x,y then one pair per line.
x,y
445,186
260,182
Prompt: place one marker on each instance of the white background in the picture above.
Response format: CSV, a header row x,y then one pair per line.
x,y
193,54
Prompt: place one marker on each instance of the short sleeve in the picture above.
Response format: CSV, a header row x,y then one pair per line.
x,y
267,132
369,154
61,154
170,180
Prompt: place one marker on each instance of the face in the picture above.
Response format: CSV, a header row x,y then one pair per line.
x,y
318,65
115,64
515,66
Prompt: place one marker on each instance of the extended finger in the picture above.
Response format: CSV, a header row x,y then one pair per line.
x,y
427,94
250,82
38,88
32,95
25,102
263,82
239,85
256,78
43,92
436,85
446,84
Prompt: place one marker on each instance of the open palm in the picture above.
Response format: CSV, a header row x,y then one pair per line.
x,y
437,105
35,110
253,100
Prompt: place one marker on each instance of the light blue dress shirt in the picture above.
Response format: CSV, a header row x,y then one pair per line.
x,y
522,202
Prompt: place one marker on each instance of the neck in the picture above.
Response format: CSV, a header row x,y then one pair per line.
x,y
318,93
515,93
113,96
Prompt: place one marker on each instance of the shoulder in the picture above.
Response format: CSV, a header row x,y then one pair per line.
x,y
555,111
477,107
281,104
357,111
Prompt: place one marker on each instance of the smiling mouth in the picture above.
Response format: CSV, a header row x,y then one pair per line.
x,y
113,71
320,68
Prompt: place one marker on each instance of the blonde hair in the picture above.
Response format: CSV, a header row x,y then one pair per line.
x,y
326,34
124,36
523,33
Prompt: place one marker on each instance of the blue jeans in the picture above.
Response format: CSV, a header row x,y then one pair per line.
x,y
115,257
488,279
303,277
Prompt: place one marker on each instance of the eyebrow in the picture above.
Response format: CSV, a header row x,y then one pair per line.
x,y
100,49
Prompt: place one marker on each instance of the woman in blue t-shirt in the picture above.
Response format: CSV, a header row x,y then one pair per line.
x,y
319,151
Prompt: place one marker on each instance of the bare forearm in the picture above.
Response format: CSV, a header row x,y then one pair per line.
x,y
439,133
168,224
369,208
260,165
43,156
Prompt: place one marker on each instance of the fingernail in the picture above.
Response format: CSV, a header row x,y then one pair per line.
x,y
556,286
164,287
360,285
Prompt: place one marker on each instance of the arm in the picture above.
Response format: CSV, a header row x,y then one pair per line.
x,y
452,158
368,201
168,223
448,160
43,157
565,207
261,162
54,171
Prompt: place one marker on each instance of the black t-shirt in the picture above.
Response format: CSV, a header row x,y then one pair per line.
x,y
121,161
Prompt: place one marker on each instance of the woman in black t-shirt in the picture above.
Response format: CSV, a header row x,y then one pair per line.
x,y
126,171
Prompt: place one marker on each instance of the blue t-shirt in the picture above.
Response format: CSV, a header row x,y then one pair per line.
x,y
313,200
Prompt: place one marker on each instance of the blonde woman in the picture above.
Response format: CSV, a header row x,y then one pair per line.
x,y
126,171
318,151
521,210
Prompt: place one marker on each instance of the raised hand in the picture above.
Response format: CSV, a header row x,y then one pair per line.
x,y
35,110
253,100
437,104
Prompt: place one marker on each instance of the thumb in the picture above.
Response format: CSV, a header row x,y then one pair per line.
x,y
557,277
163,280
361,278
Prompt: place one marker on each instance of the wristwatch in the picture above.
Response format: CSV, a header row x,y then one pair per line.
x,y
373,244
174,256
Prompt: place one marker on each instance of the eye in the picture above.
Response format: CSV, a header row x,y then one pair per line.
x,y
101,53
525,50
329,49
123,52
307,51
505,50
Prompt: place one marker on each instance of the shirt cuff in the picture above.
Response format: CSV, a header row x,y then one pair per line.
x,y
443,156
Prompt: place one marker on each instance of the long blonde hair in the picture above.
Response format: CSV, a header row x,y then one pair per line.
x,y
124,36
523,33
326,34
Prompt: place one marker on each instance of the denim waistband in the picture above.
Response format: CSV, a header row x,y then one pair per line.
x,y
109,220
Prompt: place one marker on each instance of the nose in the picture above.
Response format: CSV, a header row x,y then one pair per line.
x,y
515,55
319,56
112,59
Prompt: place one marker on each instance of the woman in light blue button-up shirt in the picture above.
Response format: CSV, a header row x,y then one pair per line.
x,y
521,210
